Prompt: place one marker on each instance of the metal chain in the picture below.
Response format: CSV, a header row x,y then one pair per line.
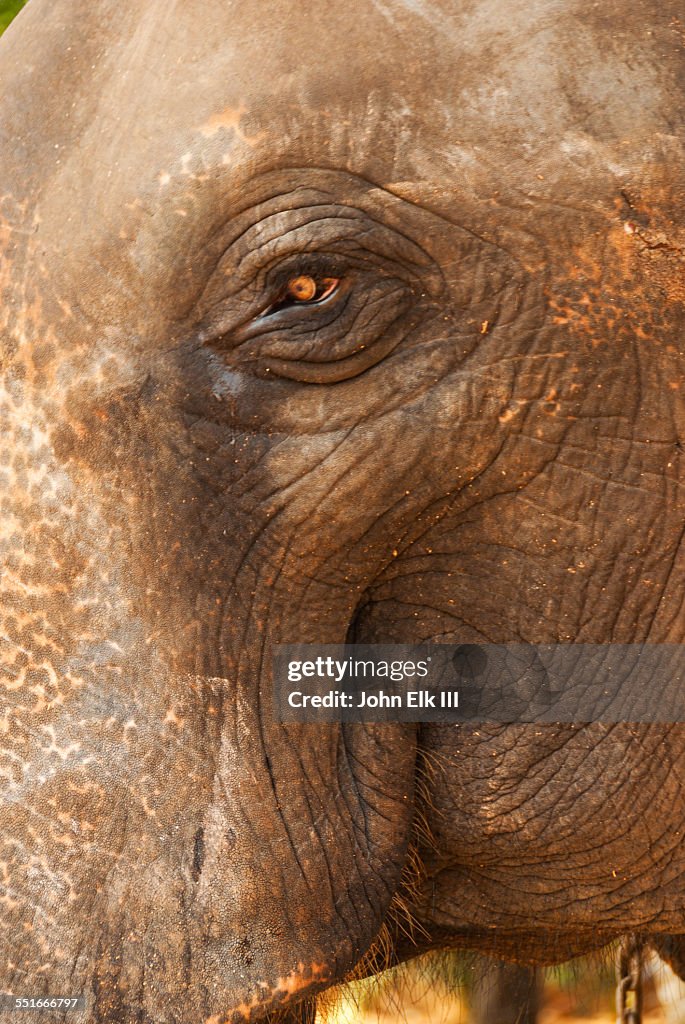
x,y
629,987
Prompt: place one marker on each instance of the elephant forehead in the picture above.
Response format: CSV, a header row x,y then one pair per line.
x,y
391,89
480,62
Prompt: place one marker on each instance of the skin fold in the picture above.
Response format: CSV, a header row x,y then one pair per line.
x,y
477,436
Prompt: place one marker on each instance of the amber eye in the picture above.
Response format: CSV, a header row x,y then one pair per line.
x,y
304,288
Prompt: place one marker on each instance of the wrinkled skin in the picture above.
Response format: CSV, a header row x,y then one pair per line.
x,y
477,435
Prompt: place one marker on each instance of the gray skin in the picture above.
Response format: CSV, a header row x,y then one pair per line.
x,y
476,436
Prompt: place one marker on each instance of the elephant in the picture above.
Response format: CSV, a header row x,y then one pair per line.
x,y
331,323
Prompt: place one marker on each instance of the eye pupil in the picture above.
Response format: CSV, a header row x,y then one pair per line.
x,y
302,288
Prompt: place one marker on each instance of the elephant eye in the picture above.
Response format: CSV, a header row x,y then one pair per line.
x,y
304,290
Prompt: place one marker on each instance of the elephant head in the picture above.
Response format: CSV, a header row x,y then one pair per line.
x,y
360,321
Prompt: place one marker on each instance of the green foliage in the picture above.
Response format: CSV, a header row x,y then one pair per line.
x,y
8,10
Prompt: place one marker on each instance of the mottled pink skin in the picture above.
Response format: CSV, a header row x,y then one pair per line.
x,y
497,455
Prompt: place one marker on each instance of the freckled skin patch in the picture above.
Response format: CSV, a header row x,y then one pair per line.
x,y
488,446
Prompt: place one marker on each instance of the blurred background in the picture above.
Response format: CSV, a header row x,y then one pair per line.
x,y
8,9
453,989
